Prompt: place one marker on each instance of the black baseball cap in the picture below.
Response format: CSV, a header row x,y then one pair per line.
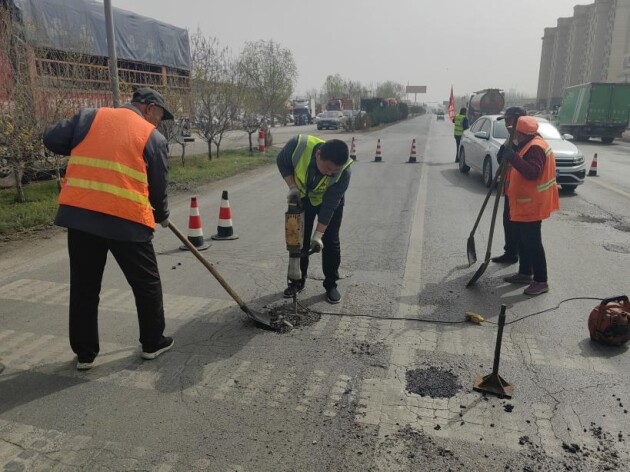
x,y
513,112
148,95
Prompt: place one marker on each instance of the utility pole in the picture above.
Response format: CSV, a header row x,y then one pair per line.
x,y
111,46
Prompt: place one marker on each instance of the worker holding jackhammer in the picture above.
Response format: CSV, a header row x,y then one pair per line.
x,y
318,173
113,193
533,195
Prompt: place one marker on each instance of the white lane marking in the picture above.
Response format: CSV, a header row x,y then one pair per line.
x,y
610,187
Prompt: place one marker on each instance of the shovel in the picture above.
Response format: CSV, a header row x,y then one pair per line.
x,y
262,318
470,244
501,175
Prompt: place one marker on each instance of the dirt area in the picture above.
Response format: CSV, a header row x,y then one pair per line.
x,y
287,312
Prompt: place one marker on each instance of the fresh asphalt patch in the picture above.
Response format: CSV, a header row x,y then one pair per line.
x,y
433,382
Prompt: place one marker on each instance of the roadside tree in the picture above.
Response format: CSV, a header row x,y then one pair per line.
x,y
216,86
20,136
269,72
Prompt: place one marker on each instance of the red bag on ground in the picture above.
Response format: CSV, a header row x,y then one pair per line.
x,y
609,322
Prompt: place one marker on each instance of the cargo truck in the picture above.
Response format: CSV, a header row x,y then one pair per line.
x,y
303,111
339,104
595,110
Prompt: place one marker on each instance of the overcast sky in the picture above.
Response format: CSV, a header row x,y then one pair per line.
x,y
472,44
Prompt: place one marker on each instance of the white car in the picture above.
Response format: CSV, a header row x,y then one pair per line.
x,y
481,142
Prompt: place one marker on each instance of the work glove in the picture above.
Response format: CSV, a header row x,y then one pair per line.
x,y
293,195
316,241
505,152
165,223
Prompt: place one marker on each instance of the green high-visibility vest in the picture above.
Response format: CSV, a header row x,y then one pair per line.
x,y
301,158
459,124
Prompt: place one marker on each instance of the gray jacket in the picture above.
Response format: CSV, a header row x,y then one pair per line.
x,y
334,195
66,135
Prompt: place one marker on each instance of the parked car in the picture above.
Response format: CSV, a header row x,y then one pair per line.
x,y
440,115
481,142
330,119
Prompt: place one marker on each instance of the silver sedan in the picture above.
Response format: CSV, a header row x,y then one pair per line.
x,y
481,142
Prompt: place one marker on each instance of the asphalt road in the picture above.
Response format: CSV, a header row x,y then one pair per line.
x,y
333,396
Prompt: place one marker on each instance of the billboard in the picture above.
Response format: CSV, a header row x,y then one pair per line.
x,y
416,89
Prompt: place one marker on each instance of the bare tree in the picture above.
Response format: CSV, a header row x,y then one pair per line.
x,y
250,124
334,87
20,136
269,71
216,85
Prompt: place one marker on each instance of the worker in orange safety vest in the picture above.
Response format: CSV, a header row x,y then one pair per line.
x,y
113,193
533,197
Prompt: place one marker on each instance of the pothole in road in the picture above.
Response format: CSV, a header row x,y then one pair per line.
x,y
287,311
432,382
622,227
592,219
610,247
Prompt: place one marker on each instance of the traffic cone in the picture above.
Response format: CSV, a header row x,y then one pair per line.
x,y
377,156
412,154
195,230
593,170
224,229
353,150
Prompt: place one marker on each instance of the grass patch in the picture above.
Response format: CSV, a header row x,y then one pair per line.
x,y
39,211
199,170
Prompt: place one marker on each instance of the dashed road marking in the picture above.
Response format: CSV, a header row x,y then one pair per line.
x,y
52,293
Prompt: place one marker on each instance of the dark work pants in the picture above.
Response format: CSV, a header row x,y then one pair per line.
x,y
457,140
531,253
509,230
331,254
88,254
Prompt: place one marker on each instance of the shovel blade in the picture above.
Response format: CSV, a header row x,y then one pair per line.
x,y
471,251
478,274
259,317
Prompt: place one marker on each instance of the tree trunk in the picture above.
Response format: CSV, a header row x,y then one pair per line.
x,y
19,190
58,177
183,145
209,149
218,146
251,149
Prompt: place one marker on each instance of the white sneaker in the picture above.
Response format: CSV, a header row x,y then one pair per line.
x,y
84,365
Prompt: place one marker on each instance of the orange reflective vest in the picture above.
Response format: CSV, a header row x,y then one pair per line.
x,y
106,171
534,200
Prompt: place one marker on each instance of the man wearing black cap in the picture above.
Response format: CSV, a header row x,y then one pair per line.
x,y
113,193
510,254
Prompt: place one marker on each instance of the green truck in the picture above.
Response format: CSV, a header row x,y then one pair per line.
x,y
595,110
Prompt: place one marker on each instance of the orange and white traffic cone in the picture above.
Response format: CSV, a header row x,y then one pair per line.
x,y
412,154
261,141
593,170
225,229
378,157
353,150
195,229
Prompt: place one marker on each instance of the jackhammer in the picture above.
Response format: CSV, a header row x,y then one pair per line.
x,y
294,235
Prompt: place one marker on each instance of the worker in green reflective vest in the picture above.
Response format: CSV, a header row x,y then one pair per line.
x,y
461,124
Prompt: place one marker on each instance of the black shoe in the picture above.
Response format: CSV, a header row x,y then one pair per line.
x,y
333,296
505,259
151,352
293,289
